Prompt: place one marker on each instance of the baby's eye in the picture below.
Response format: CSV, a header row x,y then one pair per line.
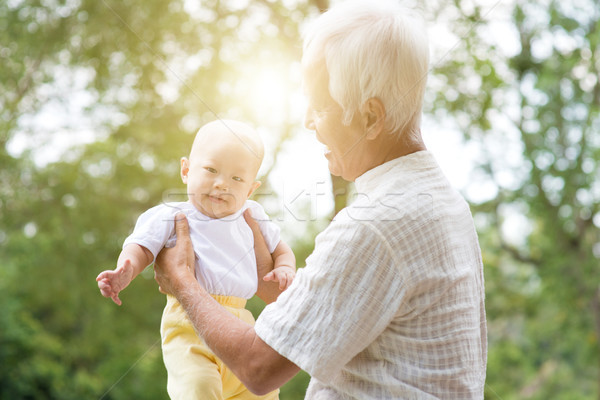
x,y
237,179
211,170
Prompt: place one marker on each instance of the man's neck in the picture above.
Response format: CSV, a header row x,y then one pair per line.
x,y
391,147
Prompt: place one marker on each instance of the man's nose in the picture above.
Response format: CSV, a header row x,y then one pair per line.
x,y
309,122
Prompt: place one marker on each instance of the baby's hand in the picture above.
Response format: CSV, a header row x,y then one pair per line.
x,y
284,275
111,282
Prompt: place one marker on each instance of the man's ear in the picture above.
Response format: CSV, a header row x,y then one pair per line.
x,y
374,113
255,185
185,168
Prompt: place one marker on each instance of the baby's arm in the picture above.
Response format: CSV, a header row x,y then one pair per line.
x,y
131,262
284,266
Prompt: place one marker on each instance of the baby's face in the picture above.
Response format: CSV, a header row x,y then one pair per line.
x,y
220,176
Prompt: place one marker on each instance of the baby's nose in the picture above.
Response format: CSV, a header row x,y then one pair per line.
x,y
220,183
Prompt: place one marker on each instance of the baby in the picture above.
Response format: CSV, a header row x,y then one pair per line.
x,y
220,175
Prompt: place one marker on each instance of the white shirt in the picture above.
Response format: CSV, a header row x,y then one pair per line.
x,y
390,304
225,260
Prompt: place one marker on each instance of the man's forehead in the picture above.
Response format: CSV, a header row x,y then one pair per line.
x,y
314,66
314,75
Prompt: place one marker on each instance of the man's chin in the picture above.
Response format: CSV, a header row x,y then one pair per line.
x,y
334,168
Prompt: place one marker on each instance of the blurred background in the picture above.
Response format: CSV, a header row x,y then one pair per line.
x,y
100,98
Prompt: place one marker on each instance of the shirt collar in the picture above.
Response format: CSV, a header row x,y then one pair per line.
x,y
369,181
194,213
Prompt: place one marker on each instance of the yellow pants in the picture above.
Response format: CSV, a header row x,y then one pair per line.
x,y
194,372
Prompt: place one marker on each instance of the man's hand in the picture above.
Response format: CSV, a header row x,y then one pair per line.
x,y
264,260
174,267
267,291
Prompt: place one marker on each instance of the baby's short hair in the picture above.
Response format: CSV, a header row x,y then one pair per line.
x,y
236,131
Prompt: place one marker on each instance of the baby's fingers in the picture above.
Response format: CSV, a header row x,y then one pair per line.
x,y
105,288
116,299
289,277
270,277
107,291
102,275
110,274
285,281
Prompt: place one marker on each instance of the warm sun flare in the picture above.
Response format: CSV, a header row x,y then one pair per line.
x,y
271,93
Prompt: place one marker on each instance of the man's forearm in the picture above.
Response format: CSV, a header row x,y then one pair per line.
x,y
235,342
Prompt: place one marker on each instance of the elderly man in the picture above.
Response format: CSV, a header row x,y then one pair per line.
x,y
390,304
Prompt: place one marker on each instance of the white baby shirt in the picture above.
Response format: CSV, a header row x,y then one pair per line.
x,y
224,248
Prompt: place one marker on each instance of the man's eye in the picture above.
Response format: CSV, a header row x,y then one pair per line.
x,y
320,111
237,179
211,170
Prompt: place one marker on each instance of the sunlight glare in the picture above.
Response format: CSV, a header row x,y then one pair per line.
x,y
269,93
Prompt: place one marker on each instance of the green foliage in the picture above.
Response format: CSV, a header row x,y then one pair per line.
x,y
32,360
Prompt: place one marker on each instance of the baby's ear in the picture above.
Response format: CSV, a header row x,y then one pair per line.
x,y
255,185
185,168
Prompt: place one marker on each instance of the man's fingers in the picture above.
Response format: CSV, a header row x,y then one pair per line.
x,y
184,241
259,239
182,229
251,221
160,289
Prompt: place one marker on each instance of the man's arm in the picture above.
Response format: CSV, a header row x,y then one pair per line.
x,y
255,363
268,291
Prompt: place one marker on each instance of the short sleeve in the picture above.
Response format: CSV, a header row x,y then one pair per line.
x,y
154,228
271,232
338,304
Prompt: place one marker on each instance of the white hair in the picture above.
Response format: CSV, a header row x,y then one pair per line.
x,y
373,48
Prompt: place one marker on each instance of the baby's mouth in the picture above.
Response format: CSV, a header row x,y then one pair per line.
x,y
216,198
